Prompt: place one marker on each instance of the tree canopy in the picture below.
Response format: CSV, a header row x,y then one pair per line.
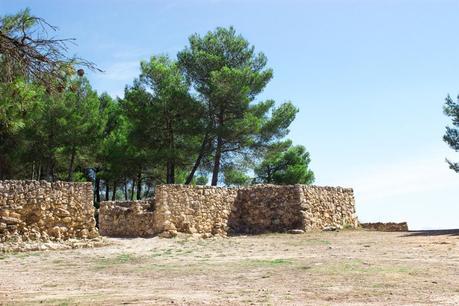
x,y
228,75
28,49
193,119
284,164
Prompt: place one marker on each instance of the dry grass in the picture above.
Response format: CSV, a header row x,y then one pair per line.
x,y
348,267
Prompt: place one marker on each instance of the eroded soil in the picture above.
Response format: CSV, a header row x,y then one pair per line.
x,y
326,268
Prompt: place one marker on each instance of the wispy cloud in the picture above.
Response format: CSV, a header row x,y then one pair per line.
x,y
122,71
421,190
115,77
131,53
422,174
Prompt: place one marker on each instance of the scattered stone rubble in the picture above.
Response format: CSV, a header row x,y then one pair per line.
x,y
12,246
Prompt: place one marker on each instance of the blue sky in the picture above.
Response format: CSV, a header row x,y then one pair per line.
x,y
369,77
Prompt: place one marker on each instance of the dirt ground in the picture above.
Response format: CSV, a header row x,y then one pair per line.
x,y
326,268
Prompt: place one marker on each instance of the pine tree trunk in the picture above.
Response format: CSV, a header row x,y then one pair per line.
x,y
107,191
72,161
139,184
198,160
114,191
217,159
97,191
132,190
125,190
218,151
147,192
170,172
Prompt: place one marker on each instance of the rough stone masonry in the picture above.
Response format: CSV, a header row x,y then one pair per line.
x,y
127,218
210,211
43,211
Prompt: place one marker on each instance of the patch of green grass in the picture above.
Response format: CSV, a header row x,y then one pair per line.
x,y
119,259
267,262
154,266
310,241
86,299
172,253
123,258
386,285
357,266
348,226
59,302
318,241
25,254
203,243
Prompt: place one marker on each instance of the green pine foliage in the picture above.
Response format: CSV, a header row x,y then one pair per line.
x,y
196,120
451,137
285,164
224,69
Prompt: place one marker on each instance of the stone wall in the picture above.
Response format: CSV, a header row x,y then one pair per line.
x,y
266,208
386,227
193,209
325,207
39,210
217,211
127,219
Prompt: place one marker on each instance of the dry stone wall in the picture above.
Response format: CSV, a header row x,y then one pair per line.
x,y
210,211
266,208
193,209
43,211
127,219
386,227
327,207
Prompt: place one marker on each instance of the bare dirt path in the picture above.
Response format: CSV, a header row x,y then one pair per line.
x,y
326,268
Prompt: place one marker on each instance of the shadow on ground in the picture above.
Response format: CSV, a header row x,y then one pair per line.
x,y
450,232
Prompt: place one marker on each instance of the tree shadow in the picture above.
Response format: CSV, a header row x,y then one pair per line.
x,y
443,232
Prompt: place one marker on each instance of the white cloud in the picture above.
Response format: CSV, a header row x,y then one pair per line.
x,y
426,174
115,77
421,190
122,71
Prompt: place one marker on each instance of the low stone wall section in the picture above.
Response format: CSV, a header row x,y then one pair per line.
x,y
386,227
39,210
127,218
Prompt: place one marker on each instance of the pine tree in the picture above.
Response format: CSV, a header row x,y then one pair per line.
x,y
451,137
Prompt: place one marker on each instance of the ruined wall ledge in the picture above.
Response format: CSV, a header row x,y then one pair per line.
x,y
385,226
256,186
